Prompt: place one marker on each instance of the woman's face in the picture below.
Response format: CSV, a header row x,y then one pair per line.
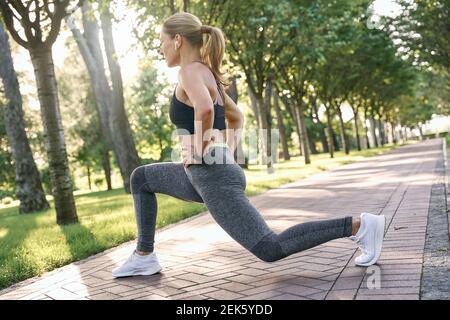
x,y
168,51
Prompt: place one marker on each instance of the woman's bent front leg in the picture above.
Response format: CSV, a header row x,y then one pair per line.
x,y
163,177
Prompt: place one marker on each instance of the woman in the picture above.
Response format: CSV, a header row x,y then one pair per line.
x,y
199,109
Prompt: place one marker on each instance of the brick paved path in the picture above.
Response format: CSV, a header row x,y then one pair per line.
x,y
200,261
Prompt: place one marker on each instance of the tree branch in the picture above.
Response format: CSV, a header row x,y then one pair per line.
x,y
8,16
81,41
47,10
25,18
18,6
37,22
59,14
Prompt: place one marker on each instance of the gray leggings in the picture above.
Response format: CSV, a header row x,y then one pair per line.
x,y
221,187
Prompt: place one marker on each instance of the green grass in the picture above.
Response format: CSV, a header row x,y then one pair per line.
x,y
32,244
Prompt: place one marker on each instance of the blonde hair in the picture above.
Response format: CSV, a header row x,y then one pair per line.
x,y
190,27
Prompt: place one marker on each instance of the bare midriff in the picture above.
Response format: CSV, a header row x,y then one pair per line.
x,y
187,141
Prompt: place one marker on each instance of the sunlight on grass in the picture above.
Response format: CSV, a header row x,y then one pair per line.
x,y
3,232
32,244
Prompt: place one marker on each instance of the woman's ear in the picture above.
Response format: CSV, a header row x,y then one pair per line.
x,y
177,41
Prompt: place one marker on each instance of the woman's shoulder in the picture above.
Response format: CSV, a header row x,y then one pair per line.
x,y
195,73
194,70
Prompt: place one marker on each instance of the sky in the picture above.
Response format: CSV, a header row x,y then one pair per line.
x,y
387,8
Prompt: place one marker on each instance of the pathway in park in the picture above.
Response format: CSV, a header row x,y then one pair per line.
x,y
200,261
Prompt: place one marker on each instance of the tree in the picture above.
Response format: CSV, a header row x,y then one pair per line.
x,y
256,32
298,62
37,18
124,145
422,31
281,127
28,184
87,145
339,73
110,102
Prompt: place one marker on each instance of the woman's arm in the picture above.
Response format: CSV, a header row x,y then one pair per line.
x,y
193,83
235,122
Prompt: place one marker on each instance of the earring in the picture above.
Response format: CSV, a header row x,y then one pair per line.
x,y
176,47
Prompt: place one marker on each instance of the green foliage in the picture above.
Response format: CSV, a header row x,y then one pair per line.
x,y
148,110
423,30
421,33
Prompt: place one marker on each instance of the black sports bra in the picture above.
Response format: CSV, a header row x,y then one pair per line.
x,y
182,115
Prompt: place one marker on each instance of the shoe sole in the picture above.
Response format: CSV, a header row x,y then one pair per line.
x,y
379,237
138,273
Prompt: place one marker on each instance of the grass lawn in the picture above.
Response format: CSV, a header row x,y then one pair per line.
x,y
33,244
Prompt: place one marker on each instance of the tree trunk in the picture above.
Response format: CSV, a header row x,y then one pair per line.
x,y
312,144
372,130
392,125
254,106
89,177
161,153
342,130
303,132
355,115
330,132
366,130
29,189
281,127
55,145
233,93
266,124
288,105
263,137
120,127
381,130
420,132
107,168
323,138
335,141
315,115
400,132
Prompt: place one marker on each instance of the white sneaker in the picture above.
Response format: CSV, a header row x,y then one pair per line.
x,y
137,265
369,238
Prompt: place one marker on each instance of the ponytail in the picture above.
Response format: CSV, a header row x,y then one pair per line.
x,y
213,51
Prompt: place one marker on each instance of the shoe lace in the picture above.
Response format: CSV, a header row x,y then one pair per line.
x,y
359,243
130,258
